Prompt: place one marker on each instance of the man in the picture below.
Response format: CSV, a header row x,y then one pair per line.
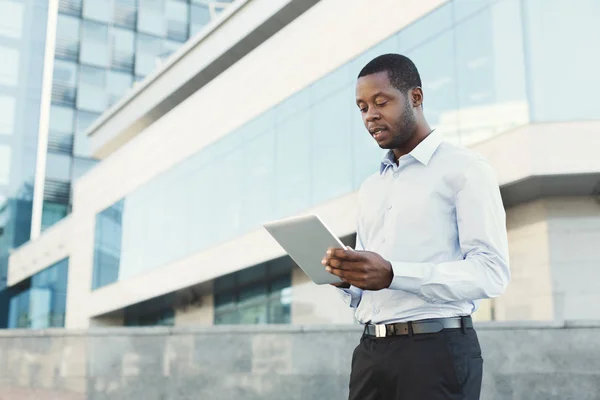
x,y
431,242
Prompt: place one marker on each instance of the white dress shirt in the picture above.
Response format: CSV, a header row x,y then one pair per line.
x,y
438,218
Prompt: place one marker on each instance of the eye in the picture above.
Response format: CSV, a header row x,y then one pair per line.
x,y
381,104
363,109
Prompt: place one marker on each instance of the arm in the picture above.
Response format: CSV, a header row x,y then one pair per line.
x,y
484,270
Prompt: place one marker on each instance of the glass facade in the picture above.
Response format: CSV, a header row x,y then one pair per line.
x,y
486,69
40,301
256,295
102,48
22,46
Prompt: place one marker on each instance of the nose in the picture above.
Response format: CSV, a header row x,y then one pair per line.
x,y
372,114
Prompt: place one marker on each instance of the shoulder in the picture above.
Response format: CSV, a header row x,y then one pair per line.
x,y
462,165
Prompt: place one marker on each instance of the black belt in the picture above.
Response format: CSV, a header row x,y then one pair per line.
x,y
433,325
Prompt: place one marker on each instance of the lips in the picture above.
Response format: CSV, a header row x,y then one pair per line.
x,y
377,132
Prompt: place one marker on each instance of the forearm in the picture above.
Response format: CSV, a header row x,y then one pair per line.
x,y
479,276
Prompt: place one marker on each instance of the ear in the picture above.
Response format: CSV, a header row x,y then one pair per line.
x,y
416,95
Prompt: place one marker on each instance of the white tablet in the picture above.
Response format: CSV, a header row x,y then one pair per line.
x,y
306,240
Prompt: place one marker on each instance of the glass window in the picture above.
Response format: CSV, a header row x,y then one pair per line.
x,y
99,10
292,164
125,13
439,83
92,94
152,18
490,72
9,67
147,53
177,20
81,166
123,49
60,132
107,247
199,17
562,44
58,167
7,115
67,37
426,29
5,154
72,7
331,127
52,213
94,44
169,47
64,82
118,84
11,19
83,122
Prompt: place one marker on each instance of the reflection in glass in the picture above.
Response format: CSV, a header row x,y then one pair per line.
x,y
562,43
67,37
9,66
123,49
5,157
64,83
83,121
177,20
199,17
60,132
99,10
125,13
40,302
148,50
11,19
118,84
92,89
107,246
151,17
7,115
94,44
52,213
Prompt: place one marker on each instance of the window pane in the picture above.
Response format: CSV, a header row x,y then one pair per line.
x,y
7,115
107,247
72,7
177,20
123,49
92,89
562,43
67,37
125,13
83,122
60,132
64,82
4,164
100,10
94,44
11,19
58,167
118,85
331,128
199,17
9,66
148,50
52,213
151,18
81,166
491,75
292,164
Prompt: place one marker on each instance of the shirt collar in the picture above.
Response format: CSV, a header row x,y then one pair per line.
x,y
422,153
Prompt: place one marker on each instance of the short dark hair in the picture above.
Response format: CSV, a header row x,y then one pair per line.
x,y
402,72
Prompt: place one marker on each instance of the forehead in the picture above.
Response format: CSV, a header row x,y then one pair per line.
x,y
373,84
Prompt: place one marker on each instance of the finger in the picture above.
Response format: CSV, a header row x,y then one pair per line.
x,y
347,276
345,254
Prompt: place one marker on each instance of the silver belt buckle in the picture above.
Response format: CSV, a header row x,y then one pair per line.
x,y
380,331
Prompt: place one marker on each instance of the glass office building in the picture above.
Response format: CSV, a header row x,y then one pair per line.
x,y
22,48
103,47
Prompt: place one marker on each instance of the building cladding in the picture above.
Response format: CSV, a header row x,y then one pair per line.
x,y
91,52
255,120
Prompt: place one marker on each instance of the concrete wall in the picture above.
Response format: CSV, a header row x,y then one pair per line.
x,y
527,361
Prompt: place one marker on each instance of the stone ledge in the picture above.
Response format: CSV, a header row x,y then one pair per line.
x,y
273,329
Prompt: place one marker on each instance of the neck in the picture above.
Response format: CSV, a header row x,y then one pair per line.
x,y
423,130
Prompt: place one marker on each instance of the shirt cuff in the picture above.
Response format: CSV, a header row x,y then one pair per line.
x,y
351,296
410,276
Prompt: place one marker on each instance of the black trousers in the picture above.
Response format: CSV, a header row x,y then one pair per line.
x,y
446,365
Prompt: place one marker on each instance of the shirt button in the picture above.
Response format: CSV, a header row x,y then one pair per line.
x,y
383,240
377,311
396,174
389,207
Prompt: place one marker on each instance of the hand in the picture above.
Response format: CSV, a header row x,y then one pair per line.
x,y
363,269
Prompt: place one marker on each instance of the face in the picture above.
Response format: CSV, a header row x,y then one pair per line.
x,y
387,113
